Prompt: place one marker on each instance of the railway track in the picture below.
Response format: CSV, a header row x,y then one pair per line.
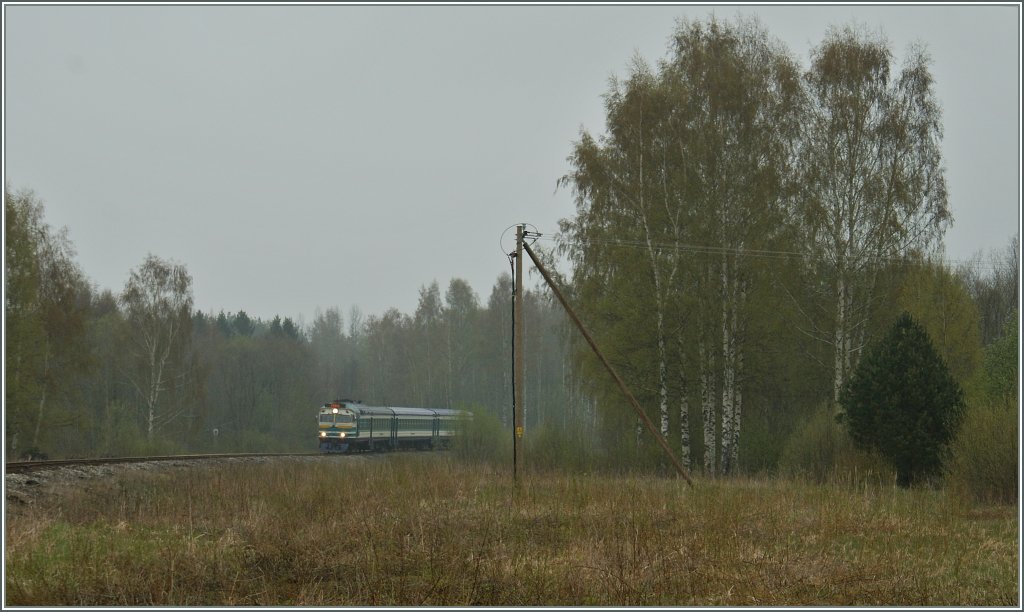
x,y
15,467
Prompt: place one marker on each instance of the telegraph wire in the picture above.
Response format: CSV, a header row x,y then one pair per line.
x,y
973,263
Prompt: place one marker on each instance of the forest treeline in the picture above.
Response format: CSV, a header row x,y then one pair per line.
x,y
746,228
96,372
80,377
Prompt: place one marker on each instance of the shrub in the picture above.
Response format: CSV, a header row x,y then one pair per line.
x,y
999,377
982,465
549,447
821,451
120,434
483,439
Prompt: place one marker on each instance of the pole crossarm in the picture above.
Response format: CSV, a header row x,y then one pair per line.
x,y
608,366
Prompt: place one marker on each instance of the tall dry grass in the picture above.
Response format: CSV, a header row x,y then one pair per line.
x,y
424,529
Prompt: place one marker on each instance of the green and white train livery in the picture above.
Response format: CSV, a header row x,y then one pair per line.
x,y
346,425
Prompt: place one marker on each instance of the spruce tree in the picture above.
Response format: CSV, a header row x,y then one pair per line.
x,y
903,402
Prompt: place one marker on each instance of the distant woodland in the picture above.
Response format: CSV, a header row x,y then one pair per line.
x,y
750,229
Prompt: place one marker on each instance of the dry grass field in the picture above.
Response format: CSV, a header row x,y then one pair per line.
x,y
421,529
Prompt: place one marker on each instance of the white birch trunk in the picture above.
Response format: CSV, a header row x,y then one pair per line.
x,y
659,304
858,345
707,395
684,428
839,376
42,397
736,349
737,355
735,450
728,375
684,405
662,373
154,393
39,417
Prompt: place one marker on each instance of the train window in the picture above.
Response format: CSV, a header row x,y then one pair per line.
x,y
326,418
345,418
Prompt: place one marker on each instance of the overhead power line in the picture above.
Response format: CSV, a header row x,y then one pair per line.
x,y
974,263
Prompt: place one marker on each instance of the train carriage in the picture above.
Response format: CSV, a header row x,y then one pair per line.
x,y
346,426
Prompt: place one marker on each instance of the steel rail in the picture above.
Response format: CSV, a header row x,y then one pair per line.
x,y
29,466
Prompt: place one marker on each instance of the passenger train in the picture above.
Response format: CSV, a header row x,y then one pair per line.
x,y
346,426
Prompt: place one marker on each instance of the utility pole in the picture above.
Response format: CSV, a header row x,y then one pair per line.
x,y
517,360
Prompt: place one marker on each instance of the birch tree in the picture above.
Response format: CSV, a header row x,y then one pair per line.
x,y
45,298
157,300
690,177
736,122
23,326
873,187
625,193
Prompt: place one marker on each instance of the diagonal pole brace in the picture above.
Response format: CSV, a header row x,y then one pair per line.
x,y
618,380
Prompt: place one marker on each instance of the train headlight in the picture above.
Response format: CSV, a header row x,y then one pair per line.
x,y
323,434
342,434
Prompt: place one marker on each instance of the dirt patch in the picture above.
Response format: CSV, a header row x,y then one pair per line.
x,y
28,488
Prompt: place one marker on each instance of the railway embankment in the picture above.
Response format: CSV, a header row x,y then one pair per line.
x,y
27,482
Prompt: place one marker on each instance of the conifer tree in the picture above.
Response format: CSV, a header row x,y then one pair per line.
x,y
902,402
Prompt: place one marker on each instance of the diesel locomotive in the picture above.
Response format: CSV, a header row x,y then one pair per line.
x,y
347,426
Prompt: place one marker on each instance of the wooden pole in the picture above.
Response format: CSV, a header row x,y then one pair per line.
x,y
622,385
517,360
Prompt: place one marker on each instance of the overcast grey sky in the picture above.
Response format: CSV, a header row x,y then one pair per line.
x,y
304,157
